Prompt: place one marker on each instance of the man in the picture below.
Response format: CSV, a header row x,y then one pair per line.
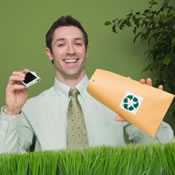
x,y
47,122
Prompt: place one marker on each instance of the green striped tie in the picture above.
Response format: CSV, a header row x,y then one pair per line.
x,y
76,128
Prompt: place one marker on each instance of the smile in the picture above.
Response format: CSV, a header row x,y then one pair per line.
x,y
72,60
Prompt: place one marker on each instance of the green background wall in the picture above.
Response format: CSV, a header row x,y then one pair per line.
x,y
23,24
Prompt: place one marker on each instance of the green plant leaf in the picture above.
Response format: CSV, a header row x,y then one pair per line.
x,y
167,60
114,28
137,36
107,23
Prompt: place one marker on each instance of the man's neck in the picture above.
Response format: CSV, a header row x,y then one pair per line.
x,y
70,81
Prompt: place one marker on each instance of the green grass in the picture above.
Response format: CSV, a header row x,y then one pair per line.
x,y
131,160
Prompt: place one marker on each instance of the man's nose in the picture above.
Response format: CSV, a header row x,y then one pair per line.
x,y
70,49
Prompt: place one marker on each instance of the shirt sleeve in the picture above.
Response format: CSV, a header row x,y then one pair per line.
x,y
16,134
134,135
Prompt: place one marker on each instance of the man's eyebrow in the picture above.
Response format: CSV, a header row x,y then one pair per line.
x,y
79,38
59,39
63,39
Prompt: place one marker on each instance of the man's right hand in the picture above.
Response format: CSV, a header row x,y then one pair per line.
x,y
16,93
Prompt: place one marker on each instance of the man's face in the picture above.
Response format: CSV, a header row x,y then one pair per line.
x,y
68,51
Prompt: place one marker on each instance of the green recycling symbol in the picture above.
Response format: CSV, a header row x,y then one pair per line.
x,y
130,103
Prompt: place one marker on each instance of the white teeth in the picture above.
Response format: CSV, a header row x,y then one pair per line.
x,y
70,60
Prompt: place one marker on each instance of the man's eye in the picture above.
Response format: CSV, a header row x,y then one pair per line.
x,y
78,44
60,45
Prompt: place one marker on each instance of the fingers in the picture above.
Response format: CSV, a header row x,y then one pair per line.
x,y
120,119
142,81
15,80
147,81
20,72
17,76
17,87
160,87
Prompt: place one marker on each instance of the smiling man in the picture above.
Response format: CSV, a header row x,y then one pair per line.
x,y
64,116
68,53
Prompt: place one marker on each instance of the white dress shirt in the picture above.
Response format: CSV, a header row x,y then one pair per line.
x,y
45,117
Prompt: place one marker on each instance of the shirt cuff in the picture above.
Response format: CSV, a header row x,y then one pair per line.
x,y
4,115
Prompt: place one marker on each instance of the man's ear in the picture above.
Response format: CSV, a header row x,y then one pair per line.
x,y
49,54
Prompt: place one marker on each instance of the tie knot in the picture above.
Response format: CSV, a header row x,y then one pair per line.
x,y
73,92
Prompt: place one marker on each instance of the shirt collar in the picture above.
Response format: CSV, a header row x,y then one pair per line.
x,y
64,89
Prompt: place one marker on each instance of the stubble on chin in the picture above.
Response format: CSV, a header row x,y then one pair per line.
x,y
70,74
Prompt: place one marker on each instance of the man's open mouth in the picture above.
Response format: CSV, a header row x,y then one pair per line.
x,y
71,60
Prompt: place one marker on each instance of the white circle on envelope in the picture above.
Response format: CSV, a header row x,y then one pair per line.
x,y
131,102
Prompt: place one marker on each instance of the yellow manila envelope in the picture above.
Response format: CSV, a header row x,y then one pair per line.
x,y
140,104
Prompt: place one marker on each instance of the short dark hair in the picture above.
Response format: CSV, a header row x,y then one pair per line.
x,y
61,22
